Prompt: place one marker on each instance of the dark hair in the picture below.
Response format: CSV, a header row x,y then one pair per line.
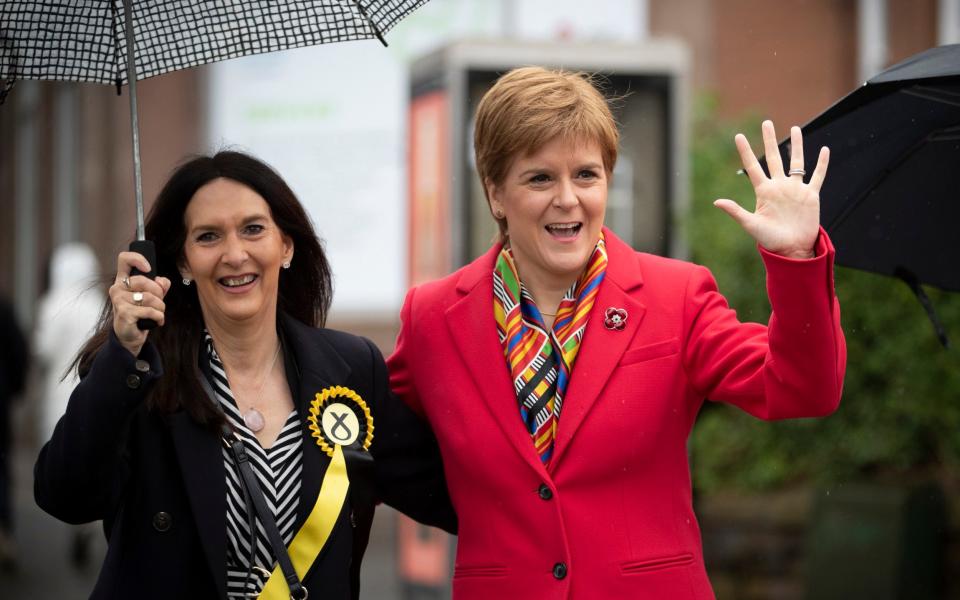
x,y
305,289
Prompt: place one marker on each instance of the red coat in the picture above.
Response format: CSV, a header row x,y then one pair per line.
x,y
612,515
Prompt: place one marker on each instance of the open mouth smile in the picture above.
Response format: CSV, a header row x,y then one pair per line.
x,y
238,283
564,230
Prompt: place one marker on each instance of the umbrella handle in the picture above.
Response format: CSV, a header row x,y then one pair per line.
x,y
149,251
913,282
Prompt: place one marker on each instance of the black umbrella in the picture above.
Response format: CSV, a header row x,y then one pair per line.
x,y
890,201
103,41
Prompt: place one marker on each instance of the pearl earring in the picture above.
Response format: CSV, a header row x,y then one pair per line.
x,y
286,264
187,281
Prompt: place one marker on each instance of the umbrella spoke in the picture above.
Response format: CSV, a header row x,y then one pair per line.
x,y
935,94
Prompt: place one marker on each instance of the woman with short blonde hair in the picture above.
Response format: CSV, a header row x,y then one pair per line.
x,y
562,371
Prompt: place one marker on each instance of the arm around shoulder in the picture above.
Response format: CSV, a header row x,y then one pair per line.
x,y
411,474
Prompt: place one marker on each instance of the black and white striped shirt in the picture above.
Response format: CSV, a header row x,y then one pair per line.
x,y
278,471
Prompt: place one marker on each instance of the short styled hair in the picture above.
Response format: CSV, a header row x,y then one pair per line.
x,y
530,106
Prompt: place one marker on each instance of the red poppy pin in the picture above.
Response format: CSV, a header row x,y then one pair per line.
x,y
615,319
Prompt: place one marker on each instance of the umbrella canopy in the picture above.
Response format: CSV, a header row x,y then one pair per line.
x,y
890,200
84,40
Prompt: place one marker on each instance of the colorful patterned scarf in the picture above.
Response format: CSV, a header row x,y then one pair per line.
x,y
540,364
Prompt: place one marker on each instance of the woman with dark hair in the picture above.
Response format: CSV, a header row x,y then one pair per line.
x,y
238,448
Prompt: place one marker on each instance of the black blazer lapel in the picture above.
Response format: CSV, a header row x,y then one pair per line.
x,y
318,365
311,364
201,463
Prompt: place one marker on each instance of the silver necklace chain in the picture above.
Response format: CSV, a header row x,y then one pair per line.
x,y
252,417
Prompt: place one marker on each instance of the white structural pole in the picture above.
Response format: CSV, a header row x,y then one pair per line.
x,y
508,18
871,38
948,22
643,15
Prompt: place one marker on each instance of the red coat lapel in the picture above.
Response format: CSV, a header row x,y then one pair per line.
x,y
601,348
473,328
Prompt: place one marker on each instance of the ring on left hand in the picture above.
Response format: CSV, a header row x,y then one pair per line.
x,y
799,172
125,281
138,298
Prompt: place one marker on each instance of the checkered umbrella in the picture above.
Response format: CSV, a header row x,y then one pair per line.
x,y
120,41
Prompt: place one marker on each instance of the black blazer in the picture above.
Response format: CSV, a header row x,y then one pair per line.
x,y
158,481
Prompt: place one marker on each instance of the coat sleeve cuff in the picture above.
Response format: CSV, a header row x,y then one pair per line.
x,y
787,277
134,373
821,248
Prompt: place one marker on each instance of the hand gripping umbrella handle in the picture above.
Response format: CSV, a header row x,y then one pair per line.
x,y
149,251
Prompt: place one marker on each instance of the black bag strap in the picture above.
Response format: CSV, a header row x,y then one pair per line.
x,y
249,478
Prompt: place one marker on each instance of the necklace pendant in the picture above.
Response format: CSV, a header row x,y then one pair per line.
x,y
254,420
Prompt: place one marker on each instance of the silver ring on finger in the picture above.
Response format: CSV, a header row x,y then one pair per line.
x,y
138,298
799,172
125,281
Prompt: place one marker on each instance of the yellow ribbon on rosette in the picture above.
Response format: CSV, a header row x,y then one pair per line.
x,y
338,417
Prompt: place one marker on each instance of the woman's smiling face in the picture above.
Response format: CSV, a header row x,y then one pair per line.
x,y
233,251
554,202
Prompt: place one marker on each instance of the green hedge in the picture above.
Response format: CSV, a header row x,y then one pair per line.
x,y
900,412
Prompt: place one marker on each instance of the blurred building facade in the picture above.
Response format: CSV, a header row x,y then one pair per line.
x,y
65,168
66,172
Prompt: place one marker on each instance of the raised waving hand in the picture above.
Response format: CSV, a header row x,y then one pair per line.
x,y
786,219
